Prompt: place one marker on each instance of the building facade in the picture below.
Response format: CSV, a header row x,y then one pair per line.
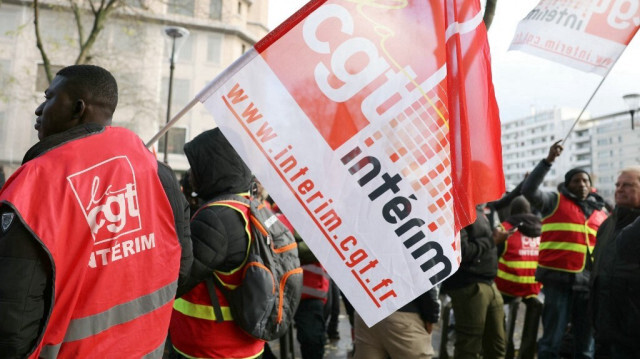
x,y
134,47
615,146
525,141
602,146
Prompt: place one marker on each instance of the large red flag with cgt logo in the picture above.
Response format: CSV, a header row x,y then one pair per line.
x,y
373,125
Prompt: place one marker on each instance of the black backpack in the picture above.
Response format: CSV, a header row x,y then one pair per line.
x,y
266,301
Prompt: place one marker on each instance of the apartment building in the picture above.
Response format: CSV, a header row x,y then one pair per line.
x,y
525,141
602,146
615,146
134,47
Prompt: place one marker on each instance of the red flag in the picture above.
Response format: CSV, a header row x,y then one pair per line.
x,y
373,125
476,149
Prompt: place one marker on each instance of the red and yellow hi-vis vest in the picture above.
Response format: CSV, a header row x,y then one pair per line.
x,y
99,209
195,331
517,265
567,237
315,282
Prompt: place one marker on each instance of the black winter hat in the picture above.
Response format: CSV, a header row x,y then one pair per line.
x,y
573,172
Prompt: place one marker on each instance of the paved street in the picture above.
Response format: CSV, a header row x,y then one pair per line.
x,y
340,349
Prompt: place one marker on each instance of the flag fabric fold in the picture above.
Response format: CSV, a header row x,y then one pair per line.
x,y
373,125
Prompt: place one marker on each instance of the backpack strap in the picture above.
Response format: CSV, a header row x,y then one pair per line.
x,y
215,303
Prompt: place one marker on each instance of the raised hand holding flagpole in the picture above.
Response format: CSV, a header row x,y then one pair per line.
x,y
587,35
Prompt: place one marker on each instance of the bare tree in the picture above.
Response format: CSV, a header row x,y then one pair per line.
x,y
98,10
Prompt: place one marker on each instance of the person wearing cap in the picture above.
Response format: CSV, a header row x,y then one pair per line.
x,y
571,218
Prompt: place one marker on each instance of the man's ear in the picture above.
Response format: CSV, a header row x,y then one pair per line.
x,y
79,108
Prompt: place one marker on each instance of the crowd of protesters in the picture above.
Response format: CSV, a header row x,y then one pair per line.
x,y
573,263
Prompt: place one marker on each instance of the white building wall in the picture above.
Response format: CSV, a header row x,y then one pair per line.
x,y
526,141
602,146
134,48
615,147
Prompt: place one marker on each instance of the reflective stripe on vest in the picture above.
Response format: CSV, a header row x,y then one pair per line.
x,y
567,238
569,227
200,311
519,264
315,282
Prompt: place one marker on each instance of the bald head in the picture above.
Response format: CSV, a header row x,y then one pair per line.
x,y
627,192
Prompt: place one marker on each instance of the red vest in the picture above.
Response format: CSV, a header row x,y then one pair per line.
x,y
567,237
315,282
194,329
99,209
517,265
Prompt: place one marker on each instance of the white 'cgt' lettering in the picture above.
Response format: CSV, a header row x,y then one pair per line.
x,y
124,202
393,92
353,82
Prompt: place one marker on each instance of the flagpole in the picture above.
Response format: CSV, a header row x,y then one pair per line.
x,y
206,92
591,98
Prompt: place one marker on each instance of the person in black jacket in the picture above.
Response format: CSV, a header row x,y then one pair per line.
x,y
615,279
571,217
220,244
477,303
26,273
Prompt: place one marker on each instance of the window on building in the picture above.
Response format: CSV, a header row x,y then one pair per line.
x,y
8,23
214,48
140,4
177,137
215,9
181,7
180,95
41,77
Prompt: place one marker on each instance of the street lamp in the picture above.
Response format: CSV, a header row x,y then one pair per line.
x,y
632,101
175,33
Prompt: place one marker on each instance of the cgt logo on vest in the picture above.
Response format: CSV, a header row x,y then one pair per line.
x,y
530,246
107,195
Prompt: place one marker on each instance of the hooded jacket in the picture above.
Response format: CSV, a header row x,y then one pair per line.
x,y
218,235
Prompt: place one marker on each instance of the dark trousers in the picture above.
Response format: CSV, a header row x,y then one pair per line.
x,y
310,328
529,330
561,306
479,321
334,302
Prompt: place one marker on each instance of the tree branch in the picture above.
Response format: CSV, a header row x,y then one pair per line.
x,y
100,15
93,7
78,17
43,54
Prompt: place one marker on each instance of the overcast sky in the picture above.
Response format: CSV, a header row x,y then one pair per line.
x,y
523,81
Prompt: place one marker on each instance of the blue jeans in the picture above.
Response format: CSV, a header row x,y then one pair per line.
x,y
561,306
